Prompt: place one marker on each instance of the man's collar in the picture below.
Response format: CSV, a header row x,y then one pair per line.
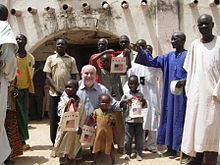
x,y
65,55
82,85
137,91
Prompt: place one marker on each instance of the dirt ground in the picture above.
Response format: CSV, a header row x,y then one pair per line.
x,y
41,149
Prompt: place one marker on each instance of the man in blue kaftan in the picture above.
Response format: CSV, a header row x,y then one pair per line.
x,y
173,106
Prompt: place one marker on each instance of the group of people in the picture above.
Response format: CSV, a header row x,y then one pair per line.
x,y
119,106
189,119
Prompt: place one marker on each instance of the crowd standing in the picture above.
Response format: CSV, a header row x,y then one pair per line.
x,y
116,107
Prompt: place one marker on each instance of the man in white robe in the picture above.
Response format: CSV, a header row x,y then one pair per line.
x,y
201,130
8,48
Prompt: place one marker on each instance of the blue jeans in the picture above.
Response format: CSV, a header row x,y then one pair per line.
x,y
133,130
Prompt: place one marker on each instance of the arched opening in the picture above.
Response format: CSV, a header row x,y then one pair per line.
x,y
82,44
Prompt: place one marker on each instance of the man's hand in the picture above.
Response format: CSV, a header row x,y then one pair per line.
x,y
181,83
110,51
79,132
127,51
59,92
134,47
144,103
123,103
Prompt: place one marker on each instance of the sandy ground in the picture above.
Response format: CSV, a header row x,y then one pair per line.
x,y
41,149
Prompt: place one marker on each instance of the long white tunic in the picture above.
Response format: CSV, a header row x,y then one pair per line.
x,y
202,121
150,91
68,142
7,73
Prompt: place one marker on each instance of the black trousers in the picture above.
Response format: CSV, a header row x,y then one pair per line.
x,y
54,118
210,158
36,104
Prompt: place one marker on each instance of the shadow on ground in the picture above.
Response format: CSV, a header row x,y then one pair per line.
x,y
41,147
106,160
29,160
44,121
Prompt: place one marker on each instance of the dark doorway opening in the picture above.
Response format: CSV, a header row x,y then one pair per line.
x,y
82,53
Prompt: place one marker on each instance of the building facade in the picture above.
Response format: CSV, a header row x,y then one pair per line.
x,y
83,22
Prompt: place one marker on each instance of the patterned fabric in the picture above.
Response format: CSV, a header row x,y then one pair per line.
x,y
11,125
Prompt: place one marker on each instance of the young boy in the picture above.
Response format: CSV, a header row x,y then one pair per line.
x,y
104,123
67,143
113,83
133,125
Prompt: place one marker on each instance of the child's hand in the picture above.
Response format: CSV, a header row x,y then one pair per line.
x,y
14,92
144,103
127,51
59,92
113,122
123,103
134,47
79,132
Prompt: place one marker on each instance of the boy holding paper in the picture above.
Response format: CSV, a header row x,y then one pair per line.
x,y
133,101
67,143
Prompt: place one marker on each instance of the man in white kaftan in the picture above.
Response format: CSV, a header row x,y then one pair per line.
x,y
201,130
8,48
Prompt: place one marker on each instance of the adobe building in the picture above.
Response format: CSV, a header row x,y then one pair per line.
x,y
83,22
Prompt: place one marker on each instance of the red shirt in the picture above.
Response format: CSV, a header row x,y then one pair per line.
x,y
99,64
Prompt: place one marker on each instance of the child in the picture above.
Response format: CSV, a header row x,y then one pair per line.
x,y
133,125
104,123
112,82
67,143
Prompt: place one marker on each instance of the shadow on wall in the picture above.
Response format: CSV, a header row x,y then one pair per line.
x,y
216,16
38,26
107,22
21,25
50,23
195,14
152,31
130,24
